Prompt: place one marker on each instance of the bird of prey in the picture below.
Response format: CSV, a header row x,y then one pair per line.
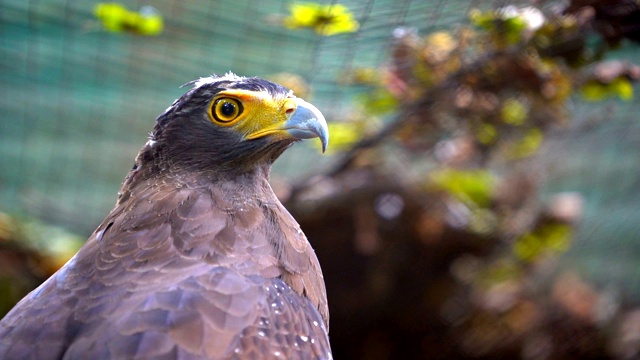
x,y
198,259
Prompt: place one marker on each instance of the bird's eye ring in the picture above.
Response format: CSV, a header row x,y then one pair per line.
x,y
225,110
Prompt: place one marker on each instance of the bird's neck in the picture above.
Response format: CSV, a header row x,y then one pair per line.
x,y
152,167
235,222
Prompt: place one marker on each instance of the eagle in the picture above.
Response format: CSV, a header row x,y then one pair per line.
x,y
198,259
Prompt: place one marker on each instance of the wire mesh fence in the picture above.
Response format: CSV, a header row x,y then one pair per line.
x,y
77,103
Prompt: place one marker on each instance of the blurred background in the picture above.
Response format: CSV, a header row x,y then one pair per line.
x,y
482,182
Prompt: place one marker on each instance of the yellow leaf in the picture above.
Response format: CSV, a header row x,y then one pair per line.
x,y
527,145
112,15
623,88
344,134
527,247
473,187
439,46
117,18
596,91
513,112
378,102
486,134
325,20
150,21
549,238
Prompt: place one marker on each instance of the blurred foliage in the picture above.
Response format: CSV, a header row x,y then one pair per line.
x,y
30,252
473,187
554,238
326,20
523,73
596,91
344,134
116,17
430,229
508,24
613,20
450,214
292,82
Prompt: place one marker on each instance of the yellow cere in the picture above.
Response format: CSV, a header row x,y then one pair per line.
x,y
259,114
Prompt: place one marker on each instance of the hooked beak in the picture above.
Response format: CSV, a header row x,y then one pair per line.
x,y
303,121
307,122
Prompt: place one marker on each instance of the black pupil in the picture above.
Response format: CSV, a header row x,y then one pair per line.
x,y
228,109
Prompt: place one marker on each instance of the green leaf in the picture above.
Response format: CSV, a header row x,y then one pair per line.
x,y
513,112
486,134
622,87
594,90
474,187
378,102
527,145
547,239
344,134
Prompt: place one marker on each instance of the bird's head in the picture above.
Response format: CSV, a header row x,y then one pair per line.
x,y
230,124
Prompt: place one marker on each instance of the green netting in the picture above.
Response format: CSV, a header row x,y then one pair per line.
x,y
77,104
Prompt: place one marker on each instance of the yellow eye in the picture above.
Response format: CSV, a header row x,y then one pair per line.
x,y
225,110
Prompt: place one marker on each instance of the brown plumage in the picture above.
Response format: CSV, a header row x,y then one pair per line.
x,y
198,259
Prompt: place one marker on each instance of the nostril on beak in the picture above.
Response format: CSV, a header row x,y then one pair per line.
x,y
290,107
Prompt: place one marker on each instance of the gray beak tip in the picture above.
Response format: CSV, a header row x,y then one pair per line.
x,y
308,122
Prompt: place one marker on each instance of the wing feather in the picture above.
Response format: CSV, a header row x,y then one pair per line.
x,y
151,283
